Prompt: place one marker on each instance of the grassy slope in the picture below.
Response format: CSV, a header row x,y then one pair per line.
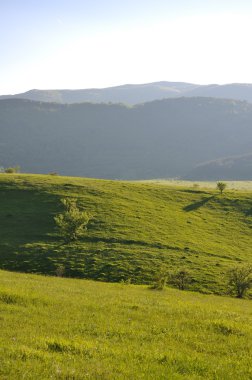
x,y
231,185
138,227
77,329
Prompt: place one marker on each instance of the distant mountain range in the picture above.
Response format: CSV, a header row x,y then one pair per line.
x,y
139,93
229,168
193,138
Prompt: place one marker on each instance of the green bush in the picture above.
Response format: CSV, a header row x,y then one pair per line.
x,y
14,169
60,271
240,280
181,279
72,222
160,280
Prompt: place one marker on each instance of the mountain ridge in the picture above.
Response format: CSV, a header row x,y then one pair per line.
x,y
138,93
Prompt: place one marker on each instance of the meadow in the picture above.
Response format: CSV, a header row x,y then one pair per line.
x,y
58,328
231,185
138,230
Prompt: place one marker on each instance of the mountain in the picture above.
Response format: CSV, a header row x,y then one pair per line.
x,y
224,168
129,94
160,139
139,93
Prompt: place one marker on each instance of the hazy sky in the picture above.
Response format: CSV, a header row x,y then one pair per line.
x,y
51,44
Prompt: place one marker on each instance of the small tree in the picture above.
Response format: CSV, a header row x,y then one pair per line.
x,y
160,279
181,279
60,270
240,280
160,282
221,186
72,222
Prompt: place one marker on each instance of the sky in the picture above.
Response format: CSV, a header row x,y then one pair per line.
x,y
77,44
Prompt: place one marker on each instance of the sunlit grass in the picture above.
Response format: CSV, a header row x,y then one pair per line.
x,y
231,185
77,329
137,229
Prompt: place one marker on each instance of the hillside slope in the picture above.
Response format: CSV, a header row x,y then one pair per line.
x,y
224,168
162,139
72,329
138,228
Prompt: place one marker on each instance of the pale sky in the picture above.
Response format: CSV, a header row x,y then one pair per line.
x,y
73,44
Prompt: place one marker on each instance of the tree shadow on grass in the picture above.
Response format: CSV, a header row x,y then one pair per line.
x,y
248,212
192,191
78,261
43,258
198,204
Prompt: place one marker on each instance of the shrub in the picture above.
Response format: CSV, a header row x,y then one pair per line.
x,y
181,279
239,280
60,271
160,280
72,222
14,169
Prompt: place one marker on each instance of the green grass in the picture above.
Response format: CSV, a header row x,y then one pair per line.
x,y
138,228
56,328
231,185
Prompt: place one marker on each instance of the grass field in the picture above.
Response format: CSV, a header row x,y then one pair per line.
x,y
138,228
56,328
231,185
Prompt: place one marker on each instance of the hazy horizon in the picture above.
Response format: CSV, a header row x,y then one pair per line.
x,y
78,45
127,84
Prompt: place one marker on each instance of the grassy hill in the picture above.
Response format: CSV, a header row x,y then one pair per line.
x,y
77,329
138,228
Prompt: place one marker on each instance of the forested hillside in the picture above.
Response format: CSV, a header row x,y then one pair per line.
x,y
161,139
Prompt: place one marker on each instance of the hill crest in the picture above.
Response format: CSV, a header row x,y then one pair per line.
x,y
138,93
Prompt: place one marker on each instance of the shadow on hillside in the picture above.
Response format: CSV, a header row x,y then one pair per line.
x,y
198,204
113,240
248,212
45,258
192,191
